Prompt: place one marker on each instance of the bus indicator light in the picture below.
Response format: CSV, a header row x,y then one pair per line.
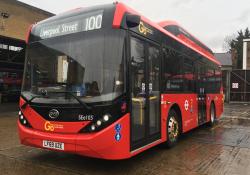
x,y
93,127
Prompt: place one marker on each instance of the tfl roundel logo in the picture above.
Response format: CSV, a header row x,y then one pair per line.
x,y
186,105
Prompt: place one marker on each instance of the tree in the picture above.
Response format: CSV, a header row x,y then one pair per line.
x,y
227,40
235,45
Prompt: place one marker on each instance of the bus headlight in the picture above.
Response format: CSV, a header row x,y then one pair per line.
x,y
106,117
23,120
99,124
92,127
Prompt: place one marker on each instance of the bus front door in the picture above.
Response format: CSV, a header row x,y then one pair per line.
x,y
201,98
145,93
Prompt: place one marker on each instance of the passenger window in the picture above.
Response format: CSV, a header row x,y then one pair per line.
x,y
172,72
188,75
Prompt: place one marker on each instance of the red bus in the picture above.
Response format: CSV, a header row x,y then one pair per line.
x,y
107,82
10,84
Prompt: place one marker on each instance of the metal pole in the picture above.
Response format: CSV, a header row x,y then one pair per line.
x,y
229,86
244,65
245,84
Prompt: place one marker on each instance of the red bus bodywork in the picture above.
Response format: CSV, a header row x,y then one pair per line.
x,y
102,144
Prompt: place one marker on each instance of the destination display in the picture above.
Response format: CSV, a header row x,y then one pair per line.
x,y
80,23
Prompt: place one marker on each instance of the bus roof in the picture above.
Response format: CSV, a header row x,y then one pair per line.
x,y
75,12
120,11
188,35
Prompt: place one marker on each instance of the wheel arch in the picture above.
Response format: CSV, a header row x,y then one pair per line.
x,y
177,109
213,103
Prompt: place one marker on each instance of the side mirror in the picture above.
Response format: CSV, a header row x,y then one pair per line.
x,y
133,20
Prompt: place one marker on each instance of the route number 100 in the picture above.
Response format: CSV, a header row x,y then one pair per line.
x,y
93,22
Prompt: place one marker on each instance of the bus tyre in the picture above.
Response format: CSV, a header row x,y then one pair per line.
x,y
212,115
173,129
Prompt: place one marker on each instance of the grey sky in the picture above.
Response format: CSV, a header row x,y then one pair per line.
x,y
208,20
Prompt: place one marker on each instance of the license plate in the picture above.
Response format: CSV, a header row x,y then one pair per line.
x,y
53,145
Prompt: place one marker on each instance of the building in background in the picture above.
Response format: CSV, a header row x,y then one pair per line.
x,y
15,19
240,78
226,67
246,54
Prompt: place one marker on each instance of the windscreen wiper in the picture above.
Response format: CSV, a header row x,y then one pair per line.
x,y
85,105
30,100
46,95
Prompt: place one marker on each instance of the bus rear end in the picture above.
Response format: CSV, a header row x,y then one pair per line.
x,y
73,95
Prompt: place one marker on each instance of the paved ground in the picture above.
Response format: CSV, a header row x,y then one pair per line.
x,y
223,149
8,107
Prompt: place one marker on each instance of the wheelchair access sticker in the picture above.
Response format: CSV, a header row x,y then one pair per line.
x,y
118,135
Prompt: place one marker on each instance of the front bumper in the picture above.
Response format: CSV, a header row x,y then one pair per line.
x,y
102,144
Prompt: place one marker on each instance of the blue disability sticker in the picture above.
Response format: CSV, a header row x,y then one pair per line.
x,y
118,136
118,127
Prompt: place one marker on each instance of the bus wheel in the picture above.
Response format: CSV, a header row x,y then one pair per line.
x,y
212,115
173,129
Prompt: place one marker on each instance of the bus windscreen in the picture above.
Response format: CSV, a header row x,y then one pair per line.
x,y
88,64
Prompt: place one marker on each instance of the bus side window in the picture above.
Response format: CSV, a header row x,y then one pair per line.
x,y
172,72
218,79
210,80
188,75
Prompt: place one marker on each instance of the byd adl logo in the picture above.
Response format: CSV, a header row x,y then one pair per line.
x,y
51,127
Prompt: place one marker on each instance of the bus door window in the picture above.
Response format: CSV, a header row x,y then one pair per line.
x,y
138,67
138,88
154,91
201,84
